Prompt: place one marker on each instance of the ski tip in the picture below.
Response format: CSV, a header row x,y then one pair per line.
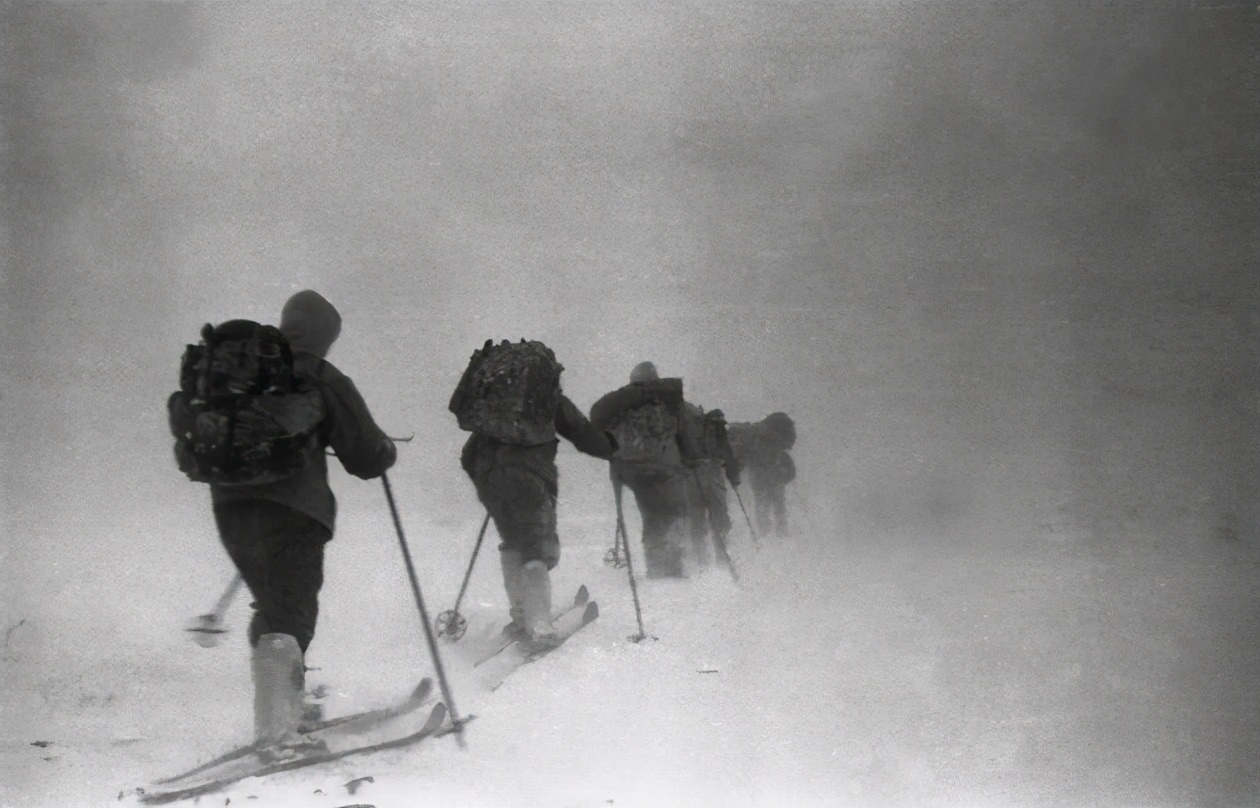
x,y
582,596
592,612
422,690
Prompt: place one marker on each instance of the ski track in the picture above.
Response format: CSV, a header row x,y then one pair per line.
x,y
833,674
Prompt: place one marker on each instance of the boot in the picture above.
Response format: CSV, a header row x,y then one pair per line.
x,y
536,591
511,563
279,678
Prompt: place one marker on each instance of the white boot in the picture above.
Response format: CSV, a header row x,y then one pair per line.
x,y
536,588
279,677
511,563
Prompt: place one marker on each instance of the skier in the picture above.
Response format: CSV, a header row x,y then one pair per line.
x,y
511,459
275,533
763,449
707,477
644,416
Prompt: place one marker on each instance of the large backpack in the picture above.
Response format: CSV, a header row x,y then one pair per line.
x,y
241,416
647,435
760,443
510,392
781,431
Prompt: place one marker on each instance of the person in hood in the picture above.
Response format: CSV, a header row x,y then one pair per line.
x,y
645,417
275,533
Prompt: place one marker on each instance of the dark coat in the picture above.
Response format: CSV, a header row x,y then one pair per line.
x,y
311,324
606,412
482,453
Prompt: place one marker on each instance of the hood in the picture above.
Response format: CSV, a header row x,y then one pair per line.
x,y
643,372
310,323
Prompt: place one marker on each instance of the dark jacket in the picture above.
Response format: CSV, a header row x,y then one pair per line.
x,y
606,412
779,470
311,324
483,453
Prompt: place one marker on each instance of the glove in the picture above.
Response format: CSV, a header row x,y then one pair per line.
x,y
733,476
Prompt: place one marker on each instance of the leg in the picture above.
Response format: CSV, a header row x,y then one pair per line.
x,y
763,505
524,511
780,510
280,554
510,561
662,501
719,515
698,516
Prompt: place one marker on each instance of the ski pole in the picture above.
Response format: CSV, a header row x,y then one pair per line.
x,y
719,542
613,558
634,589
451,622
751,532
208,626
424,617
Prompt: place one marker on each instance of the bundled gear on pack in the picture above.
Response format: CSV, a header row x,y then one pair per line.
x,y
781,430
761,442
647,435
510,392
763,448
241,416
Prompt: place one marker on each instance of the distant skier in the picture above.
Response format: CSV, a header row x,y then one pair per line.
x,y
645,416
763,449
510,399
273,521
706,479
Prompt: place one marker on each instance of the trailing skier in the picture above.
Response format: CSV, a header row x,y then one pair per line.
x,y
510,399
706,481
257,407
651,460
763,447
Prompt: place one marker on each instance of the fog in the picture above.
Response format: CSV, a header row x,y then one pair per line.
x,y
997,260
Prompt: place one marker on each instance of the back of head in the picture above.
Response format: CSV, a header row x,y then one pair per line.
x,y
644,372
782,427
310,323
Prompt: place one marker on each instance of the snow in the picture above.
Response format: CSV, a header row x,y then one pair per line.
x,y
836,672
998,265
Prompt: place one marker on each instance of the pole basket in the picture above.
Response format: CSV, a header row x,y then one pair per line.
x,y
450,623
613,558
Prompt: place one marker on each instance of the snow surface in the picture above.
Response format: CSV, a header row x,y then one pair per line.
x,y
908,669
996,260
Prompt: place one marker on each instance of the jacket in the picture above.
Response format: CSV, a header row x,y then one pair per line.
x,y
483,453
311,324
607,412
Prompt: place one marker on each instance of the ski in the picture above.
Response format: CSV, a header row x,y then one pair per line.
x,y
349,723
504,642
339,742
516,655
